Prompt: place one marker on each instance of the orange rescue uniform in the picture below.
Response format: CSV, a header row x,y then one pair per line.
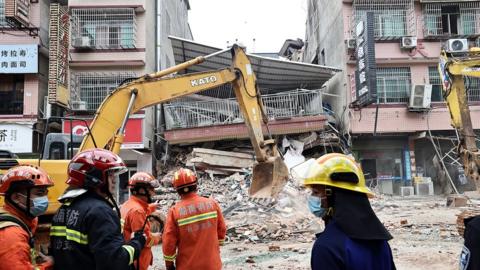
x,y
134,212
193,233
15,252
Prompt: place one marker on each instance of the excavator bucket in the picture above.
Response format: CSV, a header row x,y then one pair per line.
x,y
269,178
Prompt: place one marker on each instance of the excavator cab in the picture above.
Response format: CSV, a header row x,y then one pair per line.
x,y
269,177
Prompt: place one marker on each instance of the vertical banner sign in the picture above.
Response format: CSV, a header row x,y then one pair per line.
x,y
58,91
366,74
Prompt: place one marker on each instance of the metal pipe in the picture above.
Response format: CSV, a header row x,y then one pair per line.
x,y
129,109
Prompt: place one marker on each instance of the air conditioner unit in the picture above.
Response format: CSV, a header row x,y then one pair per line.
x,y
420,97
84,42
351,43
78,105
409,42
457,45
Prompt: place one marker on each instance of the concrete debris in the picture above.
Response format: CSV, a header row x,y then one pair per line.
x,y
457,200
466,214
220,162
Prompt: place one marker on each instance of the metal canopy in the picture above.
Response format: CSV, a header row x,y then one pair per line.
x,y
272,74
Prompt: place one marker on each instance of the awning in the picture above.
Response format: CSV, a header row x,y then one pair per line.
x,y
274,75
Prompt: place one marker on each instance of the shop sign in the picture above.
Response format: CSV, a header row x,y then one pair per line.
x,y
366,74
16,138
133,131
19,58
58,91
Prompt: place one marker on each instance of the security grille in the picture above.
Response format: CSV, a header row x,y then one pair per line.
x,y
451,19
189,114
434,80
112,28
93,87
472,85
393,84
393,18
3,22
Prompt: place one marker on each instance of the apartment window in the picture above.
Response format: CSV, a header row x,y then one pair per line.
x,y
93,87
393,19
11,94
104,28
472,85
445,19
434,80
393,84
3,22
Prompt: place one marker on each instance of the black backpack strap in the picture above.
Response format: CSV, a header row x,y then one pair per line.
x,y
9,218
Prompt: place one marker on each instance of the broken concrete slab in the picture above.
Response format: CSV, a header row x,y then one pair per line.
x,y
457,200
203,157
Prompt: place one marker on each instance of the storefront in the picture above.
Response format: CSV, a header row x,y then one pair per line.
x,y
385,163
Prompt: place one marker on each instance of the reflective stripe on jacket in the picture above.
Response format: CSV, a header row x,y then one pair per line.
x,y
86,234
134,212
194,230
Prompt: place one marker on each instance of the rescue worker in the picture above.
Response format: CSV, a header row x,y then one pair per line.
x,y
86,232
194,229
25,188
353,238
135,212
470,256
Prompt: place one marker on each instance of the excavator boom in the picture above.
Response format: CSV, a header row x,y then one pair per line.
x,y
453,69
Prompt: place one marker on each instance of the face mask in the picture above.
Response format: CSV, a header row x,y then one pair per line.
x,y
40,206
315,206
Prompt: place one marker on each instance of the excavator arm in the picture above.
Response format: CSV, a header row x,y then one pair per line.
x,y
107,129
453,69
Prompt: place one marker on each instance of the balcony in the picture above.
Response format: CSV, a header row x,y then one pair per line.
x,y
284,105
444,20
394,19
102,28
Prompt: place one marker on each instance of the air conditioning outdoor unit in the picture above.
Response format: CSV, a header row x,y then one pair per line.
x,y
457,45
78,105
420,97
409,42
351,43
83,42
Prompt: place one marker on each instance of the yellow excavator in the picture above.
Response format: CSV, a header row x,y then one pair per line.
x,y
107,129
453,67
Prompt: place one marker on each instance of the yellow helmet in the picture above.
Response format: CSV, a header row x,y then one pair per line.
x,y
332,170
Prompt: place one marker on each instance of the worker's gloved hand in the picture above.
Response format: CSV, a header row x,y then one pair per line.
x,y
138,242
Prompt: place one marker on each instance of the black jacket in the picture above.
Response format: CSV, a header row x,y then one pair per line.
x,y
86,234
470,256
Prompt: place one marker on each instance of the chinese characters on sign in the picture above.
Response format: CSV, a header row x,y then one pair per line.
x,y
58,92
16,138
365,75
19,58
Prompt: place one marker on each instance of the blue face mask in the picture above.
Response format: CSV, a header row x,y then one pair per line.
x,y
315,206
40,205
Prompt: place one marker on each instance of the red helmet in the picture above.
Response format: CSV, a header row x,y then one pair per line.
x,y
143,179
27,175
90,168
184,178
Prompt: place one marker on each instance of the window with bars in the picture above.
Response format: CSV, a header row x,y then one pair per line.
x,y
472,85
393,84
93,87
393,19
3,22
113,28
446,19
434,80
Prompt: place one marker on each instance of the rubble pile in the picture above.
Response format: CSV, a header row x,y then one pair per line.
x,y
251,220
